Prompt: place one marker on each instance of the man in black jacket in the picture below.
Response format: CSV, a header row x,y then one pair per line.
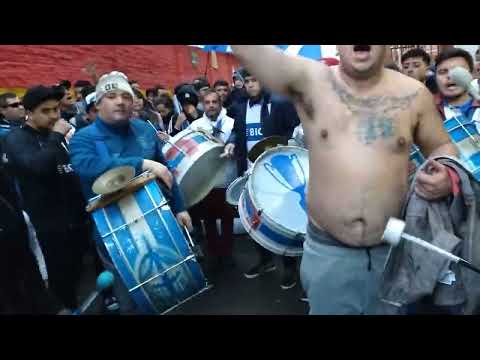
x,y
38,157
261,115
22,290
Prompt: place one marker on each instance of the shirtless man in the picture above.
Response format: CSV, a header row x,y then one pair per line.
x,y
359,121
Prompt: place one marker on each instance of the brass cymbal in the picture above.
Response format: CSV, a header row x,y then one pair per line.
x,y
265,144
113,180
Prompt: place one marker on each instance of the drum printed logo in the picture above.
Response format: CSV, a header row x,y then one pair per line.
x,y
167,289
283,170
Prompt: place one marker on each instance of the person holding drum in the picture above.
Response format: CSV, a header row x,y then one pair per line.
x,y
217,124
359,121
261,115
188,100
114,140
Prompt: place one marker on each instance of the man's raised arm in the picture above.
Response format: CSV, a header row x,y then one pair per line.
x,y
280,73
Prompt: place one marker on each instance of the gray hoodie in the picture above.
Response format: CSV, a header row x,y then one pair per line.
x,y
411,272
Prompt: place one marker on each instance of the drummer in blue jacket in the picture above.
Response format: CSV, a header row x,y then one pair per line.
x,y
114,140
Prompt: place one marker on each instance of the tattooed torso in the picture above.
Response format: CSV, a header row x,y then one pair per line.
x,y
359,150
376,115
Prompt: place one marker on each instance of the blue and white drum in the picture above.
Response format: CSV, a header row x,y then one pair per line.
x,y
272,206
149,249
465,136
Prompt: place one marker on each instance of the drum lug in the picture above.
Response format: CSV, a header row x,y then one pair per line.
x,y
300,237
257,219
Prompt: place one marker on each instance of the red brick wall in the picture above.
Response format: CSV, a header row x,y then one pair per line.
x,y
26,65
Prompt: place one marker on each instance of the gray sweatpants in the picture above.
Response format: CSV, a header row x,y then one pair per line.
x,y
340,280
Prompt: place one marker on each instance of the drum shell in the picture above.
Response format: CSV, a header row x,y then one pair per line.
x,y
272,235
197,166
143,240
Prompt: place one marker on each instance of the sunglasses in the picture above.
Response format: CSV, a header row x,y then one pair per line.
x,y
14,105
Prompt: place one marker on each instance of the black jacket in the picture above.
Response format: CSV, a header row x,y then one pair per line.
x,y
22,290
236,96
49,188
7,185
281,121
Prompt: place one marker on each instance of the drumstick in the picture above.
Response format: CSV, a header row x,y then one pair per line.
x,y
168,142
394,233
104,282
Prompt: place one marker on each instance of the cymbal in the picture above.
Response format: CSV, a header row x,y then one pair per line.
x,y
113,180
265,144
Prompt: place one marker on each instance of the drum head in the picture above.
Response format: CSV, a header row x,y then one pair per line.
x,y
235,189
278,186
201,177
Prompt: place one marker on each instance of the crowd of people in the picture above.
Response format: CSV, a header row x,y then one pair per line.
x,y
359,118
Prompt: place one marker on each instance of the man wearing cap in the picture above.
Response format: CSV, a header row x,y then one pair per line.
x,y
38,157
261,115
201,86
189,101
86,118
114,140
238,93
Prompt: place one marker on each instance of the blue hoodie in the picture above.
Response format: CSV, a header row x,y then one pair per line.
x,y
100,147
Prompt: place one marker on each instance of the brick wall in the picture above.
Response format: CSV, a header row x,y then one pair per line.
x,y
26,65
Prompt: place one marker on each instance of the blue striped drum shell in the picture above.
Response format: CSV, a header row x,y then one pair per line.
x,y
149,250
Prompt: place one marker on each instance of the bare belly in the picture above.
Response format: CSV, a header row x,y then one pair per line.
x,y
354,191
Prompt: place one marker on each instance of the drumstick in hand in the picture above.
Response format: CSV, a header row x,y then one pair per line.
x,y
166,140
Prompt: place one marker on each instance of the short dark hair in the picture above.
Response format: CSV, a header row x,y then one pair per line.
x,y
65,83
82,83
180,87
220,83
87,90
415,53
4,97
163,100
453,53
200,83
133,82
151,91
210,92
138,93
59,89
37,95
243,73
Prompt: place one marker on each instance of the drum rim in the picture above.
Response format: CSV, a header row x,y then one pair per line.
x,y
253,198
257,236
167,146
182,168
232,185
